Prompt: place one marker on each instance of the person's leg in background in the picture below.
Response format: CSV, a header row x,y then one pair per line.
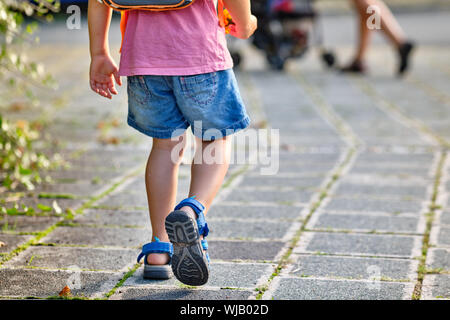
x,y
390,27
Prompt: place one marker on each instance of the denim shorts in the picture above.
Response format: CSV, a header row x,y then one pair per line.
x,y
165,106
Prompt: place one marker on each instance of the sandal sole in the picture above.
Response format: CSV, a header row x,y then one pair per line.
x,y
189,263
157,272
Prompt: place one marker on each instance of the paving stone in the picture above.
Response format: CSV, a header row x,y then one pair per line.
x,y
121,237
443,236
366,222
126,199
436,287
109,158
254,212
78,188
245,250
319,168
373,179
12,241
238,275
251,230
438,258
363,244
270,196
91,174
309,157
45,283
101,217
445,217
407,158
355,268
27,223
375,205
376,191
141,293
69,257
274,181
314,289
391,170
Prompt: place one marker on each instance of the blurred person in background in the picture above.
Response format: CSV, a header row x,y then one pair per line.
x,y
390,27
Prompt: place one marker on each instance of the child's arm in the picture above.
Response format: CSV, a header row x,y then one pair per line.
x,y
103,69
245,22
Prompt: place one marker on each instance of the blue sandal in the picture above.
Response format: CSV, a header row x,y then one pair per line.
x,y
190,261
156,271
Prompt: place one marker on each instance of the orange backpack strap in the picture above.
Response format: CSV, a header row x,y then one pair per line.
x,y
123,26
220,14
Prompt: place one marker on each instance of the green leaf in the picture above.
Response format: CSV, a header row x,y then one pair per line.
x,y
44,208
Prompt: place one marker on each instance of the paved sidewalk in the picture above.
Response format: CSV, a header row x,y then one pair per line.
x,y
358,210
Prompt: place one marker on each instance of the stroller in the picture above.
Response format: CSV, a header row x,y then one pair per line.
x,y
285,29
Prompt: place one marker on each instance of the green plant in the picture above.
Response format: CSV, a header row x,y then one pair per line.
x,y
19,163
16,70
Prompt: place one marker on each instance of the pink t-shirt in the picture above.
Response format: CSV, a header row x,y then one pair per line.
x,y
178,42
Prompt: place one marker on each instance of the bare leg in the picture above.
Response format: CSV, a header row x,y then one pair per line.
x,y
389,24
161,179
207,174
390,28
364,32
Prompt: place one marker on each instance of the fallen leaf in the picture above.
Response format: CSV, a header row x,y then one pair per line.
x,y
2,244
100,125
21,124
17,106
115,122
109,140
65,292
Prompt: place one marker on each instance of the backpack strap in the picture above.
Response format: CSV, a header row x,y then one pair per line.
x,y
123,26
220,14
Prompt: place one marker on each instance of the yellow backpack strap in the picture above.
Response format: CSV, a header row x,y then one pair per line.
x,y
123,25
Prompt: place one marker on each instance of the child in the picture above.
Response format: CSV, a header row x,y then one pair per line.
x,y
179,74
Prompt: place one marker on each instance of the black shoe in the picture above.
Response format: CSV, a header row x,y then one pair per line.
x,y
355,67
404,52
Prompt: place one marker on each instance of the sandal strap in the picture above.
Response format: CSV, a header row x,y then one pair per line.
x,y
198,209
205,247
155,247
204,244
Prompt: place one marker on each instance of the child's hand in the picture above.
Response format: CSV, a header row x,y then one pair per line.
x,y
102,74
244,32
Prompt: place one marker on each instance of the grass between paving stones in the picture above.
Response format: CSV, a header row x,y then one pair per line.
x,y
323,194
422,269
429,89
234,175
57,196
121,281
353,142
392,108
42,234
